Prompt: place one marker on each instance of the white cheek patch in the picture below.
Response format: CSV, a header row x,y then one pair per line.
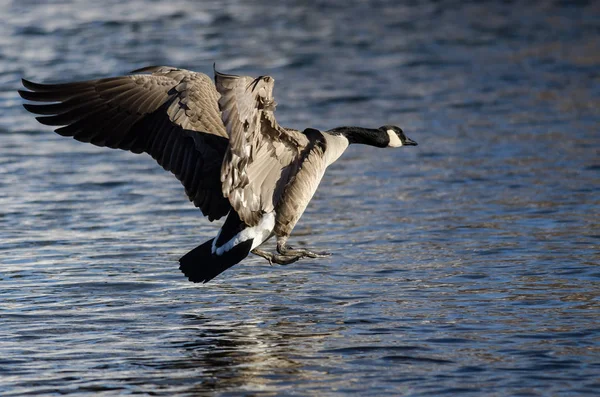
x,y
394,140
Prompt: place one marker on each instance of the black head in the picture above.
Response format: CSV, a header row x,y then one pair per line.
x,y
396,137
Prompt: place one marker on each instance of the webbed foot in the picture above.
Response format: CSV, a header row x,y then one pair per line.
x,y
285,249
277,259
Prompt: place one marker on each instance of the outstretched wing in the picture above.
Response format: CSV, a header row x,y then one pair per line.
x,y
260,157
171,114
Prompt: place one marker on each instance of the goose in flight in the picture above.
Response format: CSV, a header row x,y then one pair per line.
x,y
221,140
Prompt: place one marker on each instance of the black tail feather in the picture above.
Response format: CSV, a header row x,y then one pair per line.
x,y
200,265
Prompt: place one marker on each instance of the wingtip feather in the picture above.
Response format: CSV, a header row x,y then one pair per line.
x,y
31,108
23,94
26,83
39,87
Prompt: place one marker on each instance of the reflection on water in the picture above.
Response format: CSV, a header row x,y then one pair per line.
x,y
234,355
469,264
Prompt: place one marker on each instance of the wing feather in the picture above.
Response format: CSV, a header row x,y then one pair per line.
x,y
259,149
171,114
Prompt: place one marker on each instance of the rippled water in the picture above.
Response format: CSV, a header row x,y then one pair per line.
x,y
468,264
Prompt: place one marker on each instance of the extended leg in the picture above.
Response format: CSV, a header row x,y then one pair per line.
x,y
285,249
278,259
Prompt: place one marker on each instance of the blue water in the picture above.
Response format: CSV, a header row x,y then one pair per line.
x,y
466,265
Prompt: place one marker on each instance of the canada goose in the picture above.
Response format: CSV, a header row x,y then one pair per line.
x,y
220,140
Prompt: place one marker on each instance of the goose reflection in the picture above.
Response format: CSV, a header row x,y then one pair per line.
x,y
249,355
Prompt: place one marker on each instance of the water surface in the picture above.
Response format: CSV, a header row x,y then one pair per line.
x,y
468,264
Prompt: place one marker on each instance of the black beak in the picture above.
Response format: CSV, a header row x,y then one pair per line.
x,y
409,142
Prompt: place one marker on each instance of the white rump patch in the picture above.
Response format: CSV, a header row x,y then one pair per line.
x,y
394,140
259,233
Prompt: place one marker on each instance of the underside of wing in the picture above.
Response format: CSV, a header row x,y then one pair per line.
x,y
260,151
171,114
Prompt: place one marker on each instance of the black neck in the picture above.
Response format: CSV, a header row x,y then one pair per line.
x,y
366,136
